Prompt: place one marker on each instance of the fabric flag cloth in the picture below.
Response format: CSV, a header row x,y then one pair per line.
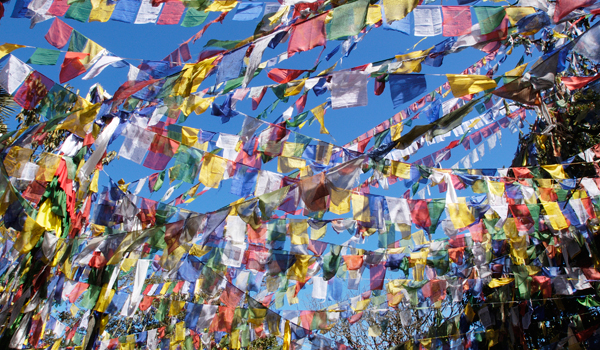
x,y
5,49
126,11
13,74
489,17
248,11
257,94
259,47
428,20
136,143
463,84
348,19
171,13
102,12
564,7
99,66
100,147
349,89
44,57
395,10
574,83
231,65
588,44
71,66
33,90
308,35
193,18
405,87
457,20
147,12
283,76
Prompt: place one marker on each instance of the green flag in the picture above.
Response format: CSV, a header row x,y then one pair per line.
x,y
44,57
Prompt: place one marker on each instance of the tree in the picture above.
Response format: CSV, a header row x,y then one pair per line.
x,y
388,327
7,109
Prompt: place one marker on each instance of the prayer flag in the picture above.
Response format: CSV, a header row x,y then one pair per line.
x,y
72,66
405,87
171,13
463,84
396,10
248,11
308,35
5,49
44,57
428,20
349,89
489,17
457,20
348,19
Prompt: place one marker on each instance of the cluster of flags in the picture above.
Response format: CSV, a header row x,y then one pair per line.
x,y
74,238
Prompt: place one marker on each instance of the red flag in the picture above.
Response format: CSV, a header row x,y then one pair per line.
x,y
131,87
282,76
171,13
58,34
58,8
574,83
71,66
457,20
308,35
300,103
564,7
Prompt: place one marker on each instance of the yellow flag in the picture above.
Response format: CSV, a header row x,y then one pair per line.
x,y
300,268
556,170
360,207
396,131
411,62
466,84
77,122
400,169
288,164
7,48
396,10
197,104
278,15
212,170
287,336
101,12
319,113
516,72
373,14
499,282
104,299
294,88
221,6
340,201
93,50
557,220
47,219
514,14
189,136
94,183
298,230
